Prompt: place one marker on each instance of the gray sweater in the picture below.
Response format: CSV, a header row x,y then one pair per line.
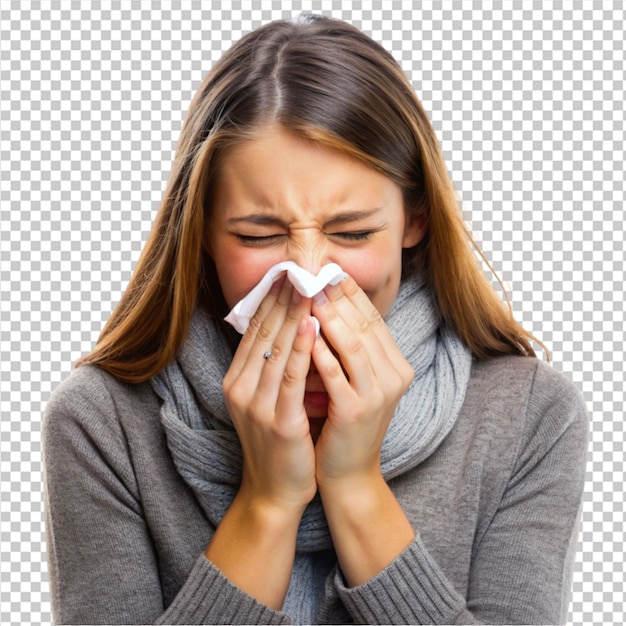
x,y
495,510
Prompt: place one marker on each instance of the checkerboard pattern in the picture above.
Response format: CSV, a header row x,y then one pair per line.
x,y
527,99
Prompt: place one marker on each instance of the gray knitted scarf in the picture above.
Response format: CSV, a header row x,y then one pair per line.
x,y
205,446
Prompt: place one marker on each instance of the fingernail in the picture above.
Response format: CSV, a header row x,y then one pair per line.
x,y
320,298
304,324
317,326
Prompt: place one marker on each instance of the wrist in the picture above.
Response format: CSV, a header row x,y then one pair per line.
x,y
255,537
354,495
359,486
367,524
268,513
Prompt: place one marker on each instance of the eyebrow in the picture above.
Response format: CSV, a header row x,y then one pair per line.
x,y
266,219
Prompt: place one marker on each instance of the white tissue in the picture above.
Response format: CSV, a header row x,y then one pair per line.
x,y
306,283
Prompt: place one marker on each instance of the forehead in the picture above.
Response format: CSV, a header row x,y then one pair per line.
x,y
279,169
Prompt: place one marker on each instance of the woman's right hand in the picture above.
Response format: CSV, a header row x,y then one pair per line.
x,y
265,400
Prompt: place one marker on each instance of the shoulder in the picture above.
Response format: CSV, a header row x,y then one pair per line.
x,y
92,405
89,436
87,384
531,397
91,389
525,381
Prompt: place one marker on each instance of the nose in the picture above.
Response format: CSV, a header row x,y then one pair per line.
x,y
310,252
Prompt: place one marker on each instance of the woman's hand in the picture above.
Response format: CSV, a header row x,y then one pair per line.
x,y
265,401
365,375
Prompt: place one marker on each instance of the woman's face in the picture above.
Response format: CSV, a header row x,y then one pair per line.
x,y
281,197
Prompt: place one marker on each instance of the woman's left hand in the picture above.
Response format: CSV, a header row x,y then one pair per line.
x,y
365,375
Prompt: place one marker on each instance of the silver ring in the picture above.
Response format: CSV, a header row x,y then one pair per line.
x,y
267,354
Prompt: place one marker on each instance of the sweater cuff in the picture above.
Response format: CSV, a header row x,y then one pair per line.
x,y
412,589
208,597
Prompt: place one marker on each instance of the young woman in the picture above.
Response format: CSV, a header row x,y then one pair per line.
x,y
412,463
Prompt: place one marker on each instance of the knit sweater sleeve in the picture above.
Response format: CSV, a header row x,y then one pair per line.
x,y
522,565
102,561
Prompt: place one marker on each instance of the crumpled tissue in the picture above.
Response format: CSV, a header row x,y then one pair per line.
x,y
306,283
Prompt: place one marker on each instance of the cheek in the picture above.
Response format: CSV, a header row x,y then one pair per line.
x,y
368,274
379,279
239,273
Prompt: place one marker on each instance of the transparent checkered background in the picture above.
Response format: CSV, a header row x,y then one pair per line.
x,y
527,99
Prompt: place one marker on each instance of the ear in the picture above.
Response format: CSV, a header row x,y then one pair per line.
x,y
414,230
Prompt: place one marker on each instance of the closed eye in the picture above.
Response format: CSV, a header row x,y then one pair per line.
x,y
252,240
356,235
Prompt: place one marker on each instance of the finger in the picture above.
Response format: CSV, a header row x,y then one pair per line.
x,y
350,333
355,328
263,327
290,402
331,372
370,319
281,349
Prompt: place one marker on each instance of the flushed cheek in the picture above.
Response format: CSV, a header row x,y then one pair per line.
x,y
241,274
378,282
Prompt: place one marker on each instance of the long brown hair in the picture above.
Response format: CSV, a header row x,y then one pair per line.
x,y
328,81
